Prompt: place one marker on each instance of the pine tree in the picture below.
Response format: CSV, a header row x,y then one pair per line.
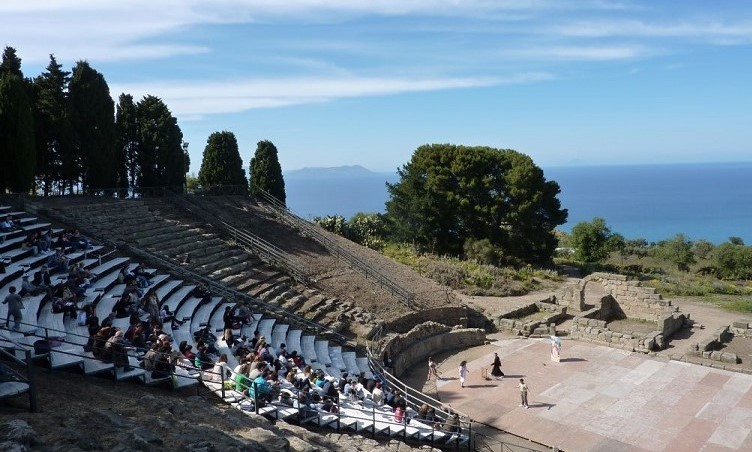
x,y
266,173
221,164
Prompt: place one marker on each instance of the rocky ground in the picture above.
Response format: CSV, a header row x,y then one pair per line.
x,y
93,414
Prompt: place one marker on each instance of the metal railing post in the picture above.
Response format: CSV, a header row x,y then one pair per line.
x,y
32,383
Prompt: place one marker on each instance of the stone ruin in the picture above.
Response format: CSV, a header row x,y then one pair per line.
x,y
601,298
518,320
712,349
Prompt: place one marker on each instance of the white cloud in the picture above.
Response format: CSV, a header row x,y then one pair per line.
x,y
580,53
634,28
188,99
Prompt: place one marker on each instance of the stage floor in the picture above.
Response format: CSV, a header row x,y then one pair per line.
x,y
604,399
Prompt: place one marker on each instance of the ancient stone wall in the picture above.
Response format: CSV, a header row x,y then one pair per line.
x,y
425,339
636,301
514,321
621,299
448,316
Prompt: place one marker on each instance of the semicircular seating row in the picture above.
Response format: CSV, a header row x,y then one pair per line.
x,y
69,337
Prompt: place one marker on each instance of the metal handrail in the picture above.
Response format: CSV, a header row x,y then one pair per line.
x,y
234,294
405,296
268,252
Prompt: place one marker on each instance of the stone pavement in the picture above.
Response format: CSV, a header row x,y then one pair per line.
x,y
604,399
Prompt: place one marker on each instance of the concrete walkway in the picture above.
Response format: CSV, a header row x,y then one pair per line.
x,y
604,399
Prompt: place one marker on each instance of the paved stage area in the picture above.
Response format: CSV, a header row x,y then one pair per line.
x,y
605,399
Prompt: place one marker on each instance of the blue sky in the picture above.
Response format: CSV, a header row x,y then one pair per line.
x,y
344,82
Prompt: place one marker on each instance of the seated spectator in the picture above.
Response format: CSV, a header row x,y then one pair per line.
x,y
202,360
136,336
371,384
42,278
45,240
123,274
32,243
92,321
431,415
205,335
243,314
62,241
202,292
64,300
221,370
265,353
229,322
422,412
255,339
297,360
151,357
7,224
100,339
165,315
123,307
260,390
399,414
116,352
58,261
28,288
156,332
377,395
242,382
256,369
187,350
452,423
142,278
78,242
320,380
341,382
163,366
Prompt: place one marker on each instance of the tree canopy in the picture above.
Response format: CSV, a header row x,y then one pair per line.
x,y
221,164
55,159
160,155
678,251
17,148
591,240
266,172
448,195
92,114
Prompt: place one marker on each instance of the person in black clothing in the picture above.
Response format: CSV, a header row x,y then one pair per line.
x,y
229,319
202,292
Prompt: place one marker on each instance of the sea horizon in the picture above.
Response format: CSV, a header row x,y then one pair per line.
x,y
704,201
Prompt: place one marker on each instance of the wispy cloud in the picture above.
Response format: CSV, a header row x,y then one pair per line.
x,y
196,99
634,28
581,53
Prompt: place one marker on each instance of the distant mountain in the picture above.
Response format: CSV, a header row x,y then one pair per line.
x,y
337,172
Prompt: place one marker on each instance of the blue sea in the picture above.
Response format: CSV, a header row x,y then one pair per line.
x,y
703,201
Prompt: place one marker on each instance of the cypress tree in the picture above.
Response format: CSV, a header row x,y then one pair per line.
x,y
17,149
266,173
126,143
92,114
53,132
160,155
221,164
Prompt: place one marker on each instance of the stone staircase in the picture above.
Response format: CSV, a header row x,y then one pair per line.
x,y
161,228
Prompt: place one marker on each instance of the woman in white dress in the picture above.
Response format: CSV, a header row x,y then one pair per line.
x,y
463,373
